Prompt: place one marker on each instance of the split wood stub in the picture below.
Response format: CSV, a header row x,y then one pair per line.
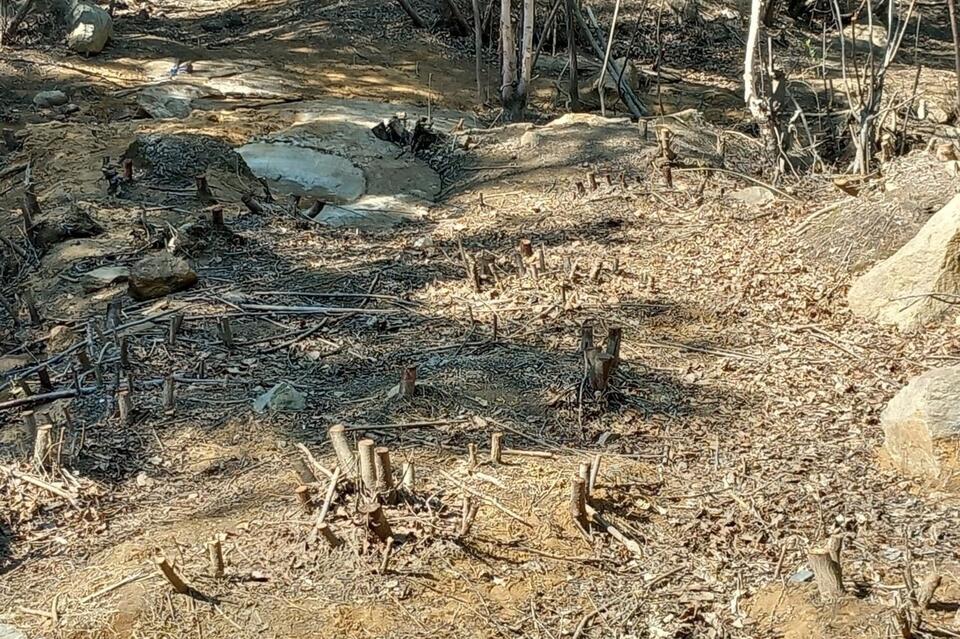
x,y
526,248
468,514
825,563
376,521
368,466
175,322
345,456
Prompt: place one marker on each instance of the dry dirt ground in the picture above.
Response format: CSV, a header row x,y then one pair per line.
x,y
740,430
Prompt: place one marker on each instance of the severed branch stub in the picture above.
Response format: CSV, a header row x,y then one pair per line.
x,y
345,457
825,563
42,446
368,466
226,332
408,382
599,367
251,203
329,536
169,394
468,515
578,504
168,572
215,554
496,448
384,473
376,521
408,476
305,497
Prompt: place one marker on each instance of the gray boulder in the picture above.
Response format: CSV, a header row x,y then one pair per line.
x,y
903,288
48,99
922,420
160,275
89,27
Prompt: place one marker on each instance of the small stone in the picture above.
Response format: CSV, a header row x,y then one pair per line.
x,y
801,576
61,338
282,397
753,195
103,277
48,99
160,275
423,242
144,480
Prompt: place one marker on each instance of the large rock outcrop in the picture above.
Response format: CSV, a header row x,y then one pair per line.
x,y
921,422
903,289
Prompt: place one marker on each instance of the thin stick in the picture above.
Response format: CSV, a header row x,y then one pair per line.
x,y
328,498
488,500
614,532
606,57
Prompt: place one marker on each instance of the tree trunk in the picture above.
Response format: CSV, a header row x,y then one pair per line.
x,y
414,16
478,45
572,52
508,76
526,67
750,97
952,6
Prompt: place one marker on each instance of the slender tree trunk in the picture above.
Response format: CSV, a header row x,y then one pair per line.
x,y
526,68
508,76
952,6
750,97
478,44
572,51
